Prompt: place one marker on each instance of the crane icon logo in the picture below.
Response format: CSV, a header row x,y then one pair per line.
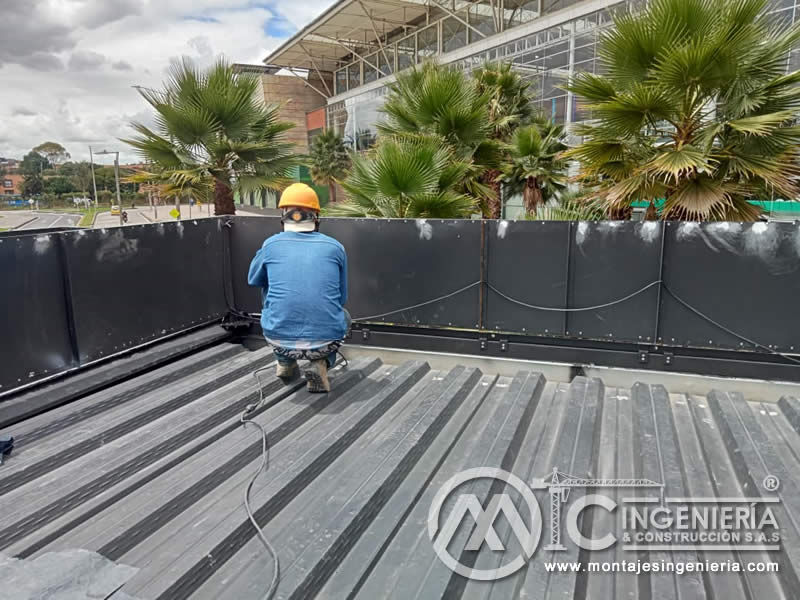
x,y
559,484
484,531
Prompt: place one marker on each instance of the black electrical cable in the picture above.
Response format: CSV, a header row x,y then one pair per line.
x,y
247,316
262,468
595,307
725,329
581,309
226,254
444,297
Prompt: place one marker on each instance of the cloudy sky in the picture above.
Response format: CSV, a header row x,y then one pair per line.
x,y
67,66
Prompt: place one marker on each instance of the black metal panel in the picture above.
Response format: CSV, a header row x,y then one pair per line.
x,y
133,284
21,232
396,263
611,260
527,261
392,263
746,277
35,333
245,235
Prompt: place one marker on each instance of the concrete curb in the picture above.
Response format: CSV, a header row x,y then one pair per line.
x,y
31,220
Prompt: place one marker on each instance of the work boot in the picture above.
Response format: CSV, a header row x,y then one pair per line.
x,y
286,372
317,377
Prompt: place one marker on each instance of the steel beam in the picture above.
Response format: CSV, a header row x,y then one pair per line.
x,y
314,64
377,37
457,18
304,80
357,55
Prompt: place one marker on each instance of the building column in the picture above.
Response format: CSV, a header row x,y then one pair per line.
x,y
570,71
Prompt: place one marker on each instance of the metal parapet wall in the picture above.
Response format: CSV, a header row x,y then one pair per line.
x,y
76,297
715,298
709,298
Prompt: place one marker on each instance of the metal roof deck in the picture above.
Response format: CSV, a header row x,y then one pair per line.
x,y
150,473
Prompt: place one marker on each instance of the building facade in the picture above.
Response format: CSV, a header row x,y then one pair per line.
x,y
11,184
296,97
361,44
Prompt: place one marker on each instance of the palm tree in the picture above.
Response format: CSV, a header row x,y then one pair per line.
x,y
329,160
404,177
567,207
213,129
509,107
536,168
442,103
693,105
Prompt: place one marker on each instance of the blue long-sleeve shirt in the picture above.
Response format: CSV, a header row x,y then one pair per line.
x,y
304,278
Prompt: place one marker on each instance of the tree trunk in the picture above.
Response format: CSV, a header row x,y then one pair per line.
x,y
223,199
531,195
620,214
495,205
332,191
651,214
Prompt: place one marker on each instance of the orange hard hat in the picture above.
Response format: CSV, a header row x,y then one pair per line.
x,y
299,194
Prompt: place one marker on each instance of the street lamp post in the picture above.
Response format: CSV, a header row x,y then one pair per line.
x,y
94,183
116,179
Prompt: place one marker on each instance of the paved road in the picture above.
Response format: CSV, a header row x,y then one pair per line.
x,y
48,220
106,219
144,215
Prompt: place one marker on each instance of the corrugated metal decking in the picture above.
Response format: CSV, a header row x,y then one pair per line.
x,y
152,476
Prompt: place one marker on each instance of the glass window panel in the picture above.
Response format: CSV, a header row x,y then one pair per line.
x,y
386,68
781,18
354,75
558,61
636,6
557,48
405,53
586,66
549,6
521,11
551,83
794,61
341,81
370,73
556,108
780,4
482,22
454,35
535,86
584,53
584,39
366,115
531,58
427,43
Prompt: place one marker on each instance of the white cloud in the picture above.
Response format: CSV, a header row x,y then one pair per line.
x,y
69,66
85,61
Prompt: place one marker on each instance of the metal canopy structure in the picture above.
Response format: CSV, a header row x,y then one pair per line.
x,y
350,28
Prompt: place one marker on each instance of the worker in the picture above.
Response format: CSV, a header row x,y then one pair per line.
x,y
303,276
